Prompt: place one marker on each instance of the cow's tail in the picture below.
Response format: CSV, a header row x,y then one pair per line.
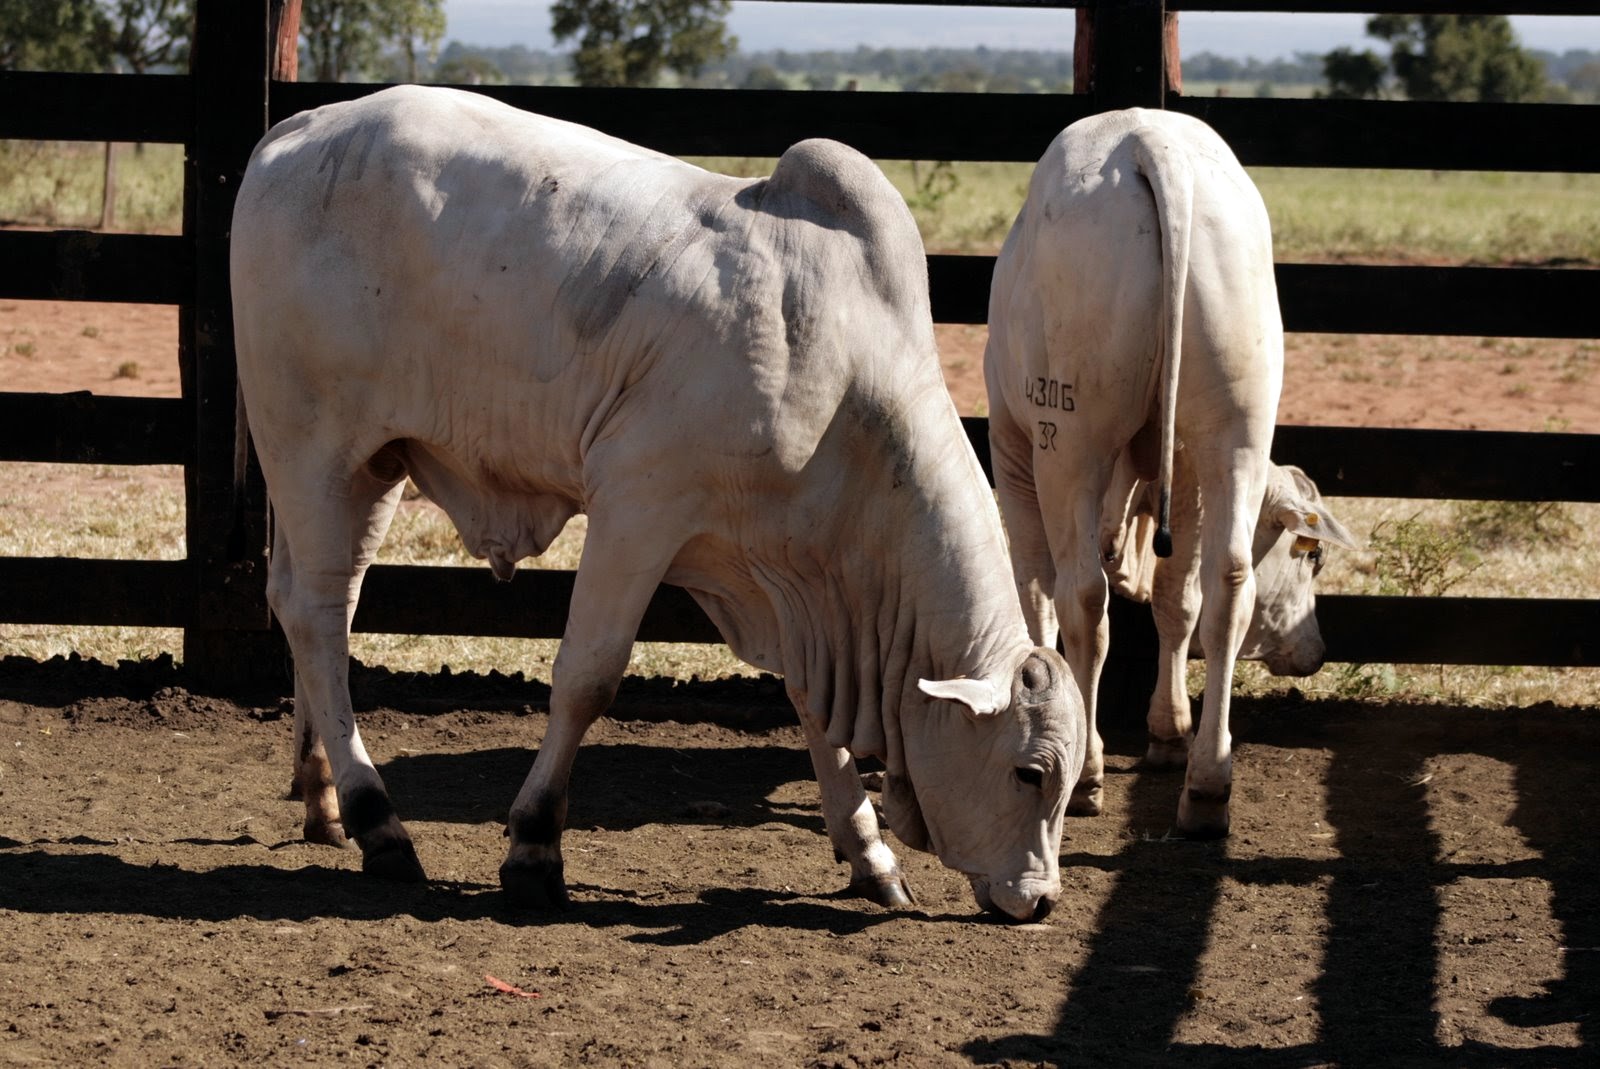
x,y
1165,166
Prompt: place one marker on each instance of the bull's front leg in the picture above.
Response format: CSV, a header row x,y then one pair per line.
x,y
625,554
853,824
313,777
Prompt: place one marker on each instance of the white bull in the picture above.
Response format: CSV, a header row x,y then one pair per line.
x,y
1134,306
734,378
1283,631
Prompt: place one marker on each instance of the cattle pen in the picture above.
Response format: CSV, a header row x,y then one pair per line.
x,y
219,110
1413,889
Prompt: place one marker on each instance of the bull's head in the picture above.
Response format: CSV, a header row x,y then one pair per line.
x,y
1291,539
988,770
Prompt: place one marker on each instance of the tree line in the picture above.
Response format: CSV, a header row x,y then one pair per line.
x,y
647,42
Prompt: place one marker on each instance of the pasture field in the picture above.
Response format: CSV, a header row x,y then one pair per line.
x,y
1317,214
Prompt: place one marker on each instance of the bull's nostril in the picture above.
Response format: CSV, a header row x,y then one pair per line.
x,y
1042,909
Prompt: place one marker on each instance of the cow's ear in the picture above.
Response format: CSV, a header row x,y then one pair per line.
x,y
981,697
1314,522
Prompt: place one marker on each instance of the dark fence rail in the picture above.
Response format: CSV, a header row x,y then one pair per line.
x,y
219,111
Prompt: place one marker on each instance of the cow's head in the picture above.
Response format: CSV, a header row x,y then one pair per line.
x,y
989,765
1292,535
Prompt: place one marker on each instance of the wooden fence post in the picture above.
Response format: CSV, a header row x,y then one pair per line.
x,y
230,644
1126,53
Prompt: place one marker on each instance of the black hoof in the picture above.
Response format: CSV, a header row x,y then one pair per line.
x,y
890,892
396,861
535,886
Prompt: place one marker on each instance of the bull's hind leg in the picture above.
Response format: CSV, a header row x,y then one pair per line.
x,y
322,546
625,554
1011,450
853,824
1175,601
1232,483
1082,594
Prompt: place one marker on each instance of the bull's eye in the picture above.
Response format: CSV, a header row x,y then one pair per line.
x,y
1316,556
1033,777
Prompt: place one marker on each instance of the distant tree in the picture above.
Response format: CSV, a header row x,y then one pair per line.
x,y
59,35
145,35
468,69
822,80
346,38
763,77
631,42
1585,79
1459,57
1353,75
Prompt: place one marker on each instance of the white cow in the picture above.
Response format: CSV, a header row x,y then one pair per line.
x,y
1134,305
1283,631
734,378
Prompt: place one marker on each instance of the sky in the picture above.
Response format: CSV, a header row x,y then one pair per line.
x,y
805,27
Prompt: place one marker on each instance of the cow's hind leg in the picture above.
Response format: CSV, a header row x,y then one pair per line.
x,y
1175,601
322,546
853,824
1082,592
1011,450
625,554
1231,491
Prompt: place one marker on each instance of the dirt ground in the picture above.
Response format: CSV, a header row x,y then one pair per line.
x,y
1409,886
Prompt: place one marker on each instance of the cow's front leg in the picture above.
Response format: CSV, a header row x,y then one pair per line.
x,y
313,777
625,554
852,823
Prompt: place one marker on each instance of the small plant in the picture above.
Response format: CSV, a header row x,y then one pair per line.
x,y
91,331
24,348
1419,559
1492,524
128,369
934,187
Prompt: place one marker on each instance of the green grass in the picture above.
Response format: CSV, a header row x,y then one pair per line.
x,y
1317,213
1456,216
61,184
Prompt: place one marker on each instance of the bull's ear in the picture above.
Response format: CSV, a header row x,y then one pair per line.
x,y
1314,522
980,696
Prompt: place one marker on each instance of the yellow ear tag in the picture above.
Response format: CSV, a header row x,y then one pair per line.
x,y
1302,544
1312,519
